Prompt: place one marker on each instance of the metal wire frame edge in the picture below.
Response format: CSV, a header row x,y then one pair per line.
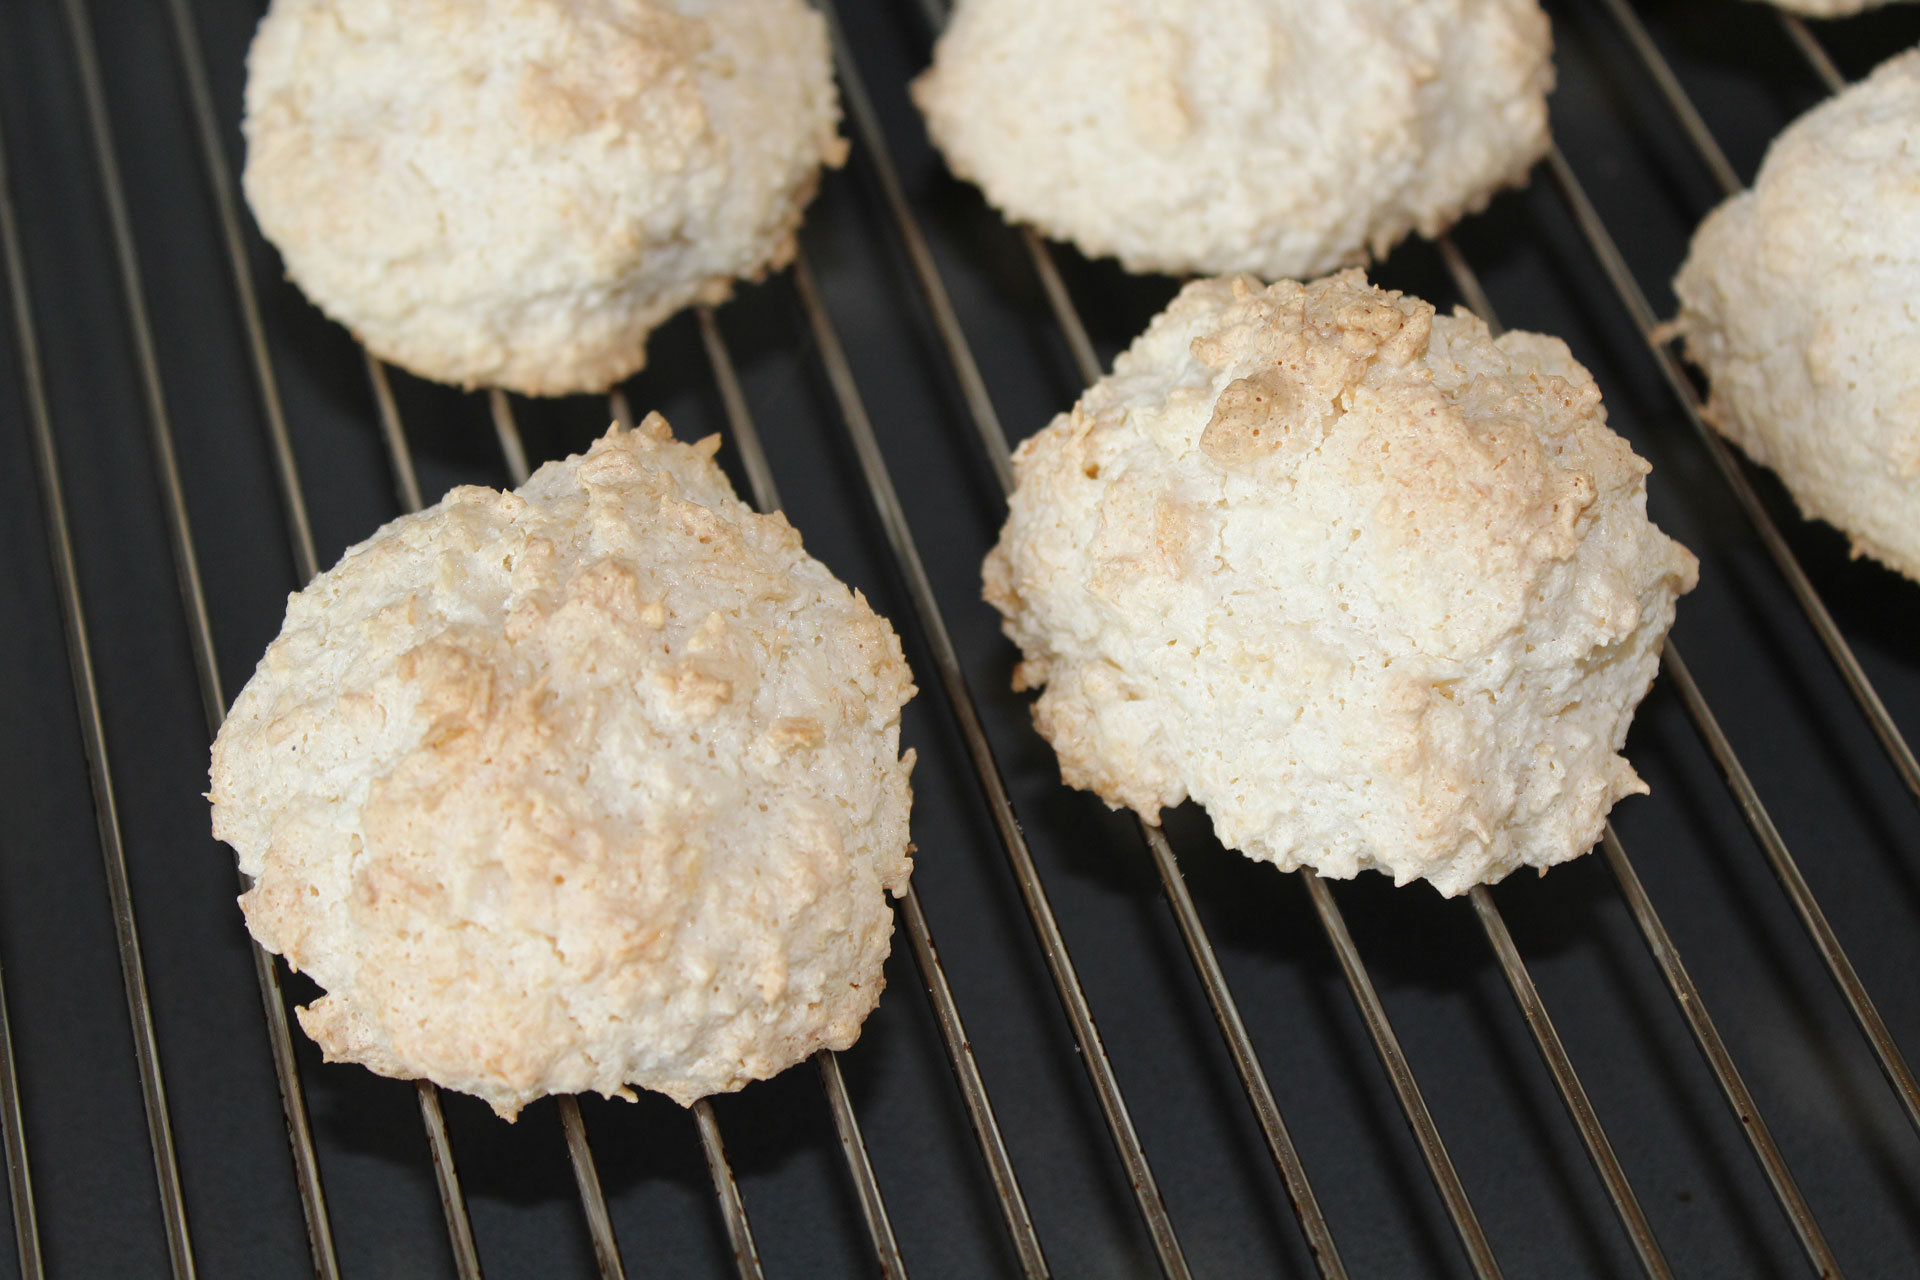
x,y
93,735
1706,1034
293,1106
1060,966
1714,1050
840,1105
846,1125
446,1178
760,477
1193,933
12,1120
406,483
953,1034
973,387
1613,264
1659,943
200,632
733,397
733,1210
992,434
1813,51
1413,1103
1553,1053
1786,869
1533,1010
220,181
146,358
1892,740
1572,1092
13,1136
766,497
523,474
593,1199
973,1091
1677,100
300,537
1892,1062
732,1204
1253,1078
453,1202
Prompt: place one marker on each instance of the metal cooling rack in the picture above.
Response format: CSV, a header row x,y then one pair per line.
x,y
184,388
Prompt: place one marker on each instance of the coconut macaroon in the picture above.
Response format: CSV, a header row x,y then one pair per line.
x,y
1277,137
1376,589
514,192
589,785
1797,300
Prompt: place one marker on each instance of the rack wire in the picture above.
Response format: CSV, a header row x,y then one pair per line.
x,y
994,1167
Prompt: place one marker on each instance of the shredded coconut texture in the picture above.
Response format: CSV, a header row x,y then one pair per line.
x,y
1800,299
1376,589
515,192
1276,137
593,784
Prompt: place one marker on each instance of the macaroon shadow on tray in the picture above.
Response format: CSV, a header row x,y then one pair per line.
x,y
139,1100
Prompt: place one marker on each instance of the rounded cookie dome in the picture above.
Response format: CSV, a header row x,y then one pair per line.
x,y
1797,300
588,785
1277,137
1376,589
515,192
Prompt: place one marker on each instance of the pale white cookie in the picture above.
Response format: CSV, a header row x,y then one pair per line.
x,y
515,192
1798,300
1277,137
1374,588
589,785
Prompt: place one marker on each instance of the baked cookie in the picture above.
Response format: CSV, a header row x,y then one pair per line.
x,y
589,785
1797,300
1277,137
1376,589
513,193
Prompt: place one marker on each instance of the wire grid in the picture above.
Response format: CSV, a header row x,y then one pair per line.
x,y
995,1166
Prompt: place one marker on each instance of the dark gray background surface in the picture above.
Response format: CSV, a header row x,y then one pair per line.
x,y
1832,793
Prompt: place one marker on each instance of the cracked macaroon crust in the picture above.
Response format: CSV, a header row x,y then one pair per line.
x,y
1373,587
513,193
589,785
1800,300
1275,137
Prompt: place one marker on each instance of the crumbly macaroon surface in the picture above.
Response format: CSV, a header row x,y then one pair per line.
x,y
1374,588
515,192
591,785
1276,137
1798,300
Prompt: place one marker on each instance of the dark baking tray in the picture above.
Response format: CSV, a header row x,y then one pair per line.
x,y
1826,782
